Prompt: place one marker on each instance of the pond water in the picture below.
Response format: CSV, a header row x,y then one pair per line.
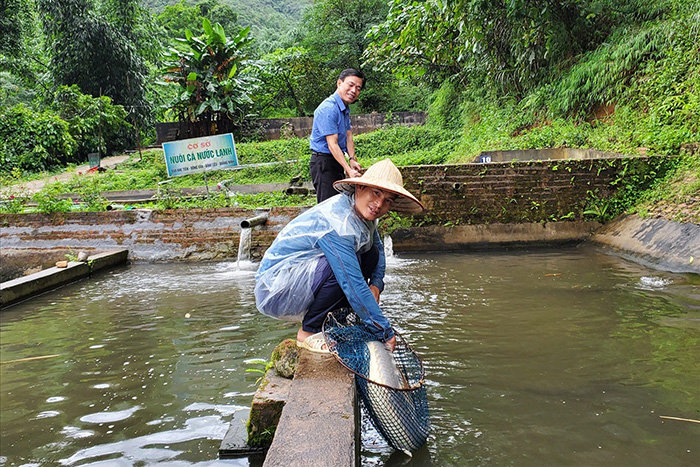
x,y
566,357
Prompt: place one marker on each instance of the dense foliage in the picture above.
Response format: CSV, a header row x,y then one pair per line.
x,y
33,141
73,126
615,76
210,74
176,18
99,56
96,124
270,21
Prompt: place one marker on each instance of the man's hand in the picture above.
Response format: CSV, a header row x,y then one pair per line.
x,y
375,291
355,165
391,343
355,168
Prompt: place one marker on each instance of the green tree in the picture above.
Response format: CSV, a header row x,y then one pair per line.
x,y
136,24
336,29
22,61
33,141
507,45
286,76
336,35
92,53
95,123
211,75
175,19
14,18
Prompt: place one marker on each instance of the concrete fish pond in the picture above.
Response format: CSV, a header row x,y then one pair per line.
x,y
567,357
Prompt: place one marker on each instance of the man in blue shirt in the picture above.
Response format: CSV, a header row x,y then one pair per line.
x,y
331,136
331,257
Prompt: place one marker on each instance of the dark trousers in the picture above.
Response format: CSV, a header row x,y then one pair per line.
x,y
327,292
324,170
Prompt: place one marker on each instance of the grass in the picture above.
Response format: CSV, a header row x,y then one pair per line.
x,y
676,196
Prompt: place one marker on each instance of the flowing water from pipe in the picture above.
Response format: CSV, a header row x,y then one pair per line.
x,y
243,262
388,247
566,357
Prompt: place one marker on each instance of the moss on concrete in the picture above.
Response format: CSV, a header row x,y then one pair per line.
x,y
285,358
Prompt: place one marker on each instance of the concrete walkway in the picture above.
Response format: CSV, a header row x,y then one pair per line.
x,y
29,188
29,286
319,425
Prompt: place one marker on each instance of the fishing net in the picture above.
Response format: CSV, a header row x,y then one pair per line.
x,y
390,384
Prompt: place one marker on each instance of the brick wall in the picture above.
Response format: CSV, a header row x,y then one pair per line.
x,y
509,192
362,123
194,234
494,193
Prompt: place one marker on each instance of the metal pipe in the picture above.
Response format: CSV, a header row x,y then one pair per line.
x,y
297,190
253,221
111,207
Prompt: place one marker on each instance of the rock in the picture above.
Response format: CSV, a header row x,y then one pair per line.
x,y
82,256
61,264
285,358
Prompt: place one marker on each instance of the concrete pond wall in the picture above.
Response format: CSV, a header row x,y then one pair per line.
x,y
468,205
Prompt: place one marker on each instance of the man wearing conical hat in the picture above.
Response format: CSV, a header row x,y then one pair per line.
x,y
331,257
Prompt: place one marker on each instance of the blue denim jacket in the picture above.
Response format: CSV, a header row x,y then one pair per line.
x,y
334,230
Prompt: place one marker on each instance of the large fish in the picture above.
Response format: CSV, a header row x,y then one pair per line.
x,y
383,368
394,411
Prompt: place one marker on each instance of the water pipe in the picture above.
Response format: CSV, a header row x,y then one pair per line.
x,y
253,221
297,190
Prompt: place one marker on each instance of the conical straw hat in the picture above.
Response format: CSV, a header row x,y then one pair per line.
x,y
385,176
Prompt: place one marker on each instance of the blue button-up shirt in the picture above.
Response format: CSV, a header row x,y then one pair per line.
x,y
284,279
331,117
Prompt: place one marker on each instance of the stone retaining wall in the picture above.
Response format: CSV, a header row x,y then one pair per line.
x,y
277,128
193,234
510,192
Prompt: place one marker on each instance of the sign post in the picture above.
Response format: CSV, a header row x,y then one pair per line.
x,y
199,155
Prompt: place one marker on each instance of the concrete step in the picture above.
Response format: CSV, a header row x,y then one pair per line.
x,y
320,421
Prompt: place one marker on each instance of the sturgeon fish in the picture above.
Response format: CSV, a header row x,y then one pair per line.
x,y
393,411
382,366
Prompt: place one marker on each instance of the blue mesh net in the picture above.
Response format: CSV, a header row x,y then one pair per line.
x,y
390,384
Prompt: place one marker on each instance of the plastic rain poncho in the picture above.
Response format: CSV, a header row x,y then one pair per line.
x,y
283,282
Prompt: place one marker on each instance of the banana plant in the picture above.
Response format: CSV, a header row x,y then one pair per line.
x,y
211,73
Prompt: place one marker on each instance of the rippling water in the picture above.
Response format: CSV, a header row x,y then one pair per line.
x,y
149,367
563,357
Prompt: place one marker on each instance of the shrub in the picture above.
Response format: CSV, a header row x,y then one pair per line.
x,y
49,200
444,111
33,141
95,123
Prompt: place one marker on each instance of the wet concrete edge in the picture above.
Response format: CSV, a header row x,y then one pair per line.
x,y
656,243
491,236
319,424
22,288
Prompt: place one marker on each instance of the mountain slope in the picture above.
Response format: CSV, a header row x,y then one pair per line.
x,y
269,20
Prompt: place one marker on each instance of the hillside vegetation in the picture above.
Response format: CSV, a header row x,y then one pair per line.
x,y
493,76
270,20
